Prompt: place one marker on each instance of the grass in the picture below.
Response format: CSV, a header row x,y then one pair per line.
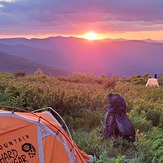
x,y
81,99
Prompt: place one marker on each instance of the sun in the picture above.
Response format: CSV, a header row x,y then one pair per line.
x,y
91,35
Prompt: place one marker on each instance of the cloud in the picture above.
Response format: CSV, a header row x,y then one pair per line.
x,y
76,16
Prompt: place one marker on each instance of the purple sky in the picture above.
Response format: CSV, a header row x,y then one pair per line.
x,y
75,17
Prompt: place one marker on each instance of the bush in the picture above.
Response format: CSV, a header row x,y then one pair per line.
x,y
141,123
154,115
20,74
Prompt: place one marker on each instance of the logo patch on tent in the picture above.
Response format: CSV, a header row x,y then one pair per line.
x,y
12,156
14,142
30,149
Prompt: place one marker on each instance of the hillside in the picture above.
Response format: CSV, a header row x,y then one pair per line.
x,y
30,53
12,64
121,57
81,100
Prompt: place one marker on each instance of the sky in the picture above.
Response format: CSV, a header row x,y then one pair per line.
x,y
127,19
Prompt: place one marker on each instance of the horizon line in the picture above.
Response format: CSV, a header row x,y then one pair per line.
x,y
30,38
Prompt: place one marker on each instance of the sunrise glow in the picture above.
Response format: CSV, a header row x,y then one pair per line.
x,y
111,24
91,35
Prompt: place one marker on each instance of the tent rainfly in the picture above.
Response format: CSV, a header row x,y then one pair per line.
x,y
152,82
36,137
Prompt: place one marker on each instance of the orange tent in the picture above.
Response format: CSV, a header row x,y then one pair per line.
x,y
36,137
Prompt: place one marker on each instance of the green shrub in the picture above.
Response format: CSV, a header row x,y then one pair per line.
x,y
154,115
91,143
141,123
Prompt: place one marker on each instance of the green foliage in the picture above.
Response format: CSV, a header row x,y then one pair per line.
x,y
137,79
87,120
89,78
111,82
149,146
141,123
82,101
39,73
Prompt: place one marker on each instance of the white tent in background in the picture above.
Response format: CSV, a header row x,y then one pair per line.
x,y
152,82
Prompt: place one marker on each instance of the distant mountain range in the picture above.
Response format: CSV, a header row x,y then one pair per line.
x,y
123,58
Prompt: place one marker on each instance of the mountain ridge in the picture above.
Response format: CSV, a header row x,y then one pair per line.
x,y
120,57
